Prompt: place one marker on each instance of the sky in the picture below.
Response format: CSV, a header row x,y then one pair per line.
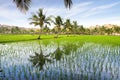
x,y
85,12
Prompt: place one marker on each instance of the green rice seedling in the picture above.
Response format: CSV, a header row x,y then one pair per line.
x,y
88,59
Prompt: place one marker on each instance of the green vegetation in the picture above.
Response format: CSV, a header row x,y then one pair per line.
x,y
67,28
58,23
4,38
114,40
78,53
66,60
39,19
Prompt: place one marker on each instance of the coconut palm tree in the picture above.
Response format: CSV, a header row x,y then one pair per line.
x,y
58,23
24,5
68,26
39,19
46,29
75,26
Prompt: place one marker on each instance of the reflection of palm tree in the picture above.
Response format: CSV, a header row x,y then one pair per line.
x,y
39,19
58,53
24,5
69,47
0,64
39,60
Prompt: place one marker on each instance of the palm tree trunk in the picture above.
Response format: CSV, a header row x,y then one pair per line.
x,y
39,34
57,32
56,36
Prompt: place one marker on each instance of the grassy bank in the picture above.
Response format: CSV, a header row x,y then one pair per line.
x,y
115,40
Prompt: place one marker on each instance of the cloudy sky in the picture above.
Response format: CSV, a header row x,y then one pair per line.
x,y
86,12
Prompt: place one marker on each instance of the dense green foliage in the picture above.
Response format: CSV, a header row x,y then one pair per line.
x,y
115,40
67,60
39,19
69,28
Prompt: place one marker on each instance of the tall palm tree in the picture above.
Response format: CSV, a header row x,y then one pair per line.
x,y
58,23
24,5
75,26
46,29
68,26
39,19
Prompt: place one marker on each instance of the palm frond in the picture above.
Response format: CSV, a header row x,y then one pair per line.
x,y
35,23
34,18
40,12
23,5
48,23
68,3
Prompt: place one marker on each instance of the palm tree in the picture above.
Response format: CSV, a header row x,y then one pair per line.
x,y
24,5
68,26
75,26
39,19
46,29
58,23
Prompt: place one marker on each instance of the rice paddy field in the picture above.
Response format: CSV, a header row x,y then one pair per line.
x,y
64,58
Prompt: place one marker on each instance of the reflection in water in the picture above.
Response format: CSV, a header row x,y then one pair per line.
x,y
69,47
1,71
90,62
38,60
0,63
57,54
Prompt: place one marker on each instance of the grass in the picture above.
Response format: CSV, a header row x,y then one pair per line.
x,y
100,39
89,62
68,59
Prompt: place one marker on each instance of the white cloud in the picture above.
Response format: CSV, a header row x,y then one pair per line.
x,y
100,21
79,12
105,6
76,9
99,9
10,14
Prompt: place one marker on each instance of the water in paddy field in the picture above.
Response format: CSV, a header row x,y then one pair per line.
x,y
63,61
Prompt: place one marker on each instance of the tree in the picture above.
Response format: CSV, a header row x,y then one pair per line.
x,y
46,29
80,29
39,19
24,5
58,23
68,26
75,26
15,30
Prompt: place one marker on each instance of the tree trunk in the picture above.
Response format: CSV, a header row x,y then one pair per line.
x,y
56,36
57,33
39,37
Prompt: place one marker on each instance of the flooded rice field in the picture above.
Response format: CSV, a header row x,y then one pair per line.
x,y
63,61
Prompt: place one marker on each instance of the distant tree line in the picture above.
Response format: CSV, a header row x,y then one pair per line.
x,y
6,29
73,28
